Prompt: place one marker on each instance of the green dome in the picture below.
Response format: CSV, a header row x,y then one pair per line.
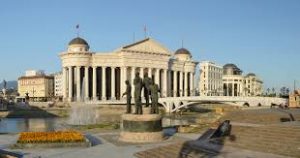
x,y
78,40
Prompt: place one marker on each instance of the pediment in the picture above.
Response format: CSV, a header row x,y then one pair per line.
x,y
147,45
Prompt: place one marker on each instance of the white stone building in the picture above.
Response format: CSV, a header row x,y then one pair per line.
x,y
253,85
235,84
58,85
211,83
89,75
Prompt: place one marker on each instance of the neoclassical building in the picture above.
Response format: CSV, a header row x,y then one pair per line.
x,y
210,83
99,76
235,84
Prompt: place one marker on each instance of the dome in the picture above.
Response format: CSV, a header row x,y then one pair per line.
x,y
182,51
231,69
227,66
78,40
250,74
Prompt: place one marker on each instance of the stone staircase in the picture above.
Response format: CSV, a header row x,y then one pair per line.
x,y
179,149
277,139
262,116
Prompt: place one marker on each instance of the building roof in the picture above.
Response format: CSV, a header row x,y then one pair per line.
x,y
233,67
182,51
35,77
147,45
230,65
78,40
250,74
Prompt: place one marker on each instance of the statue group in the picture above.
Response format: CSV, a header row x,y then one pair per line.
x,y
150,89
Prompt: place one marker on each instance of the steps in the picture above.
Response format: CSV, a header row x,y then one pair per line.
x,y
262,116
276,139
175,150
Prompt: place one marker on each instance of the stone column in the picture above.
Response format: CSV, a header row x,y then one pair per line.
x,y
181,83
175,83
122,80
232,89
192,84
132,78
103,82
227,89
165,82
157,78
142,76
78,85
70,84
185,84
169,84
95,83
150,73
113,91
86,77
64,76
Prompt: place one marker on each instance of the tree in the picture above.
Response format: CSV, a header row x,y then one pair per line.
x,y
273,92
283,91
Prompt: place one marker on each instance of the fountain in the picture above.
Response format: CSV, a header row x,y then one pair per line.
x,y
83,115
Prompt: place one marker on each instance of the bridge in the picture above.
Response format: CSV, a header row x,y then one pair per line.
x,y
172,104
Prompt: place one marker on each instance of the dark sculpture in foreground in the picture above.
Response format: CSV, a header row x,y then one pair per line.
x,y
154,97
146,86
223,130
138,84
128,97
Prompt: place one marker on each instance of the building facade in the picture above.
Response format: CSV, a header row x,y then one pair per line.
x,y
253,85
211,83
235,84
294,99
37,85
58,85
96,76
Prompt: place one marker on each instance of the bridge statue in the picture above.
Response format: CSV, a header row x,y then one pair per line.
x,y
128,97
139,128
154,97
146,86
138,85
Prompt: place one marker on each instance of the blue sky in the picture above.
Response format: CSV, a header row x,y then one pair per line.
x,y
260,36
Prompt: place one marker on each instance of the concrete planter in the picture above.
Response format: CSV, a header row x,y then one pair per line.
x,y
86,143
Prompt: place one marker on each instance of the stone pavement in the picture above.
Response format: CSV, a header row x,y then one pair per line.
x,y
258,133
108,149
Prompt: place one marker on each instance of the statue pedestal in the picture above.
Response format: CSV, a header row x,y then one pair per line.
x,y
144,128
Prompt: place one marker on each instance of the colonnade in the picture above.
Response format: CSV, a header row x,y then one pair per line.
x,y
232,89
84,83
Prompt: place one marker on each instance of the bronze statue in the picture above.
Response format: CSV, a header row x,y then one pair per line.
x,y
146,86
154,97
128,97
138,85
27,97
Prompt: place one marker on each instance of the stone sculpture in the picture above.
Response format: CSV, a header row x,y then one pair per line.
x,y
128,97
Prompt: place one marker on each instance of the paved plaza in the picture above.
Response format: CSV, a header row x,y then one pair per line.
x,y
255,133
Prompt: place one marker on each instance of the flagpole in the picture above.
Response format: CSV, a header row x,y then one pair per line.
x,y
145,31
